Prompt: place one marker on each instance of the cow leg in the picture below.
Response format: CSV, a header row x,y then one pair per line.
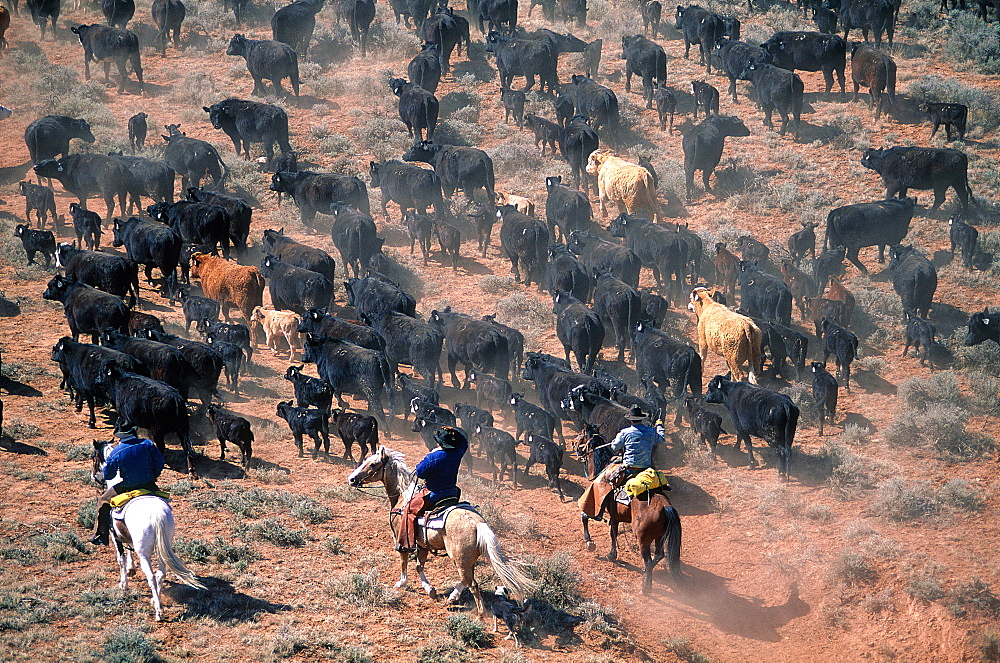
x,y
749,445
939,193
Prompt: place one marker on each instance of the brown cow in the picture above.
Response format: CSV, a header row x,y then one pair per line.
x,y
836,291
727,267
732,336
229,284
800,284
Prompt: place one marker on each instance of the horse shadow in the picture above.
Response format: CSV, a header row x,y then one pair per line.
x,y
690,499
15,388
220,602
10,445
708,599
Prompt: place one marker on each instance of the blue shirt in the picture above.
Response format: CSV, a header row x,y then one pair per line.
x,y
137,460
637,442
439,470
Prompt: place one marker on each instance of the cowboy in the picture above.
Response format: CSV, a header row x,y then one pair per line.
x,y
636,444
139,463
439,471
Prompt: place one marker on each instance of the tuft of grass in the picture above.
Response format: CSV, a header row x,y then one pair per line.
x,y
365,590
989,645
273,531
558,581
682,648
854,568
272,476
246,503
497,285
128,644
311,511
973,41
85,513
898,500
925,584
468,631
974,596
18,429
443,650
334,545
80,452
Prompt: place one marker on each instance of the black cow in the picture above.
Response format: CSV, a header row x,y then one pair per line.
x,y
547,453
598,103
81,363
319,323
85,175
155,177
936,168
196,308
412,342
40,199
803,242
666,106
497,13
289,251
593,408
150,244
150,404
418,108
706,423
760,412
646,59
490,389
654,307
735,56
354,235
579,329
619,306
193,159
566,209
546,131
431,413
472,416
705,97
446,30
232,360
111,273
159,361
501,449
465,168
702,27
598,253
513,105
425,68
825,392
310,391
234,429
703,147
196,223
524,57
168,16
877,16
450,239
268,59
248,122
664,361
515,341
529,418
983,327
349,368
307,421
553,382
101,42
873,69
950,115
374,294
205,362
87,225
963,236
238,212
914,278
409,186
118,12
658,246
764,295
137,131
236,334
829,263
566,272
592,58
316,192
294,288
882,223
920,333
777,90
359,15
651,12
294,24
525,241
576,143
809,51
352,427
484,217
48,137
472,342
843,345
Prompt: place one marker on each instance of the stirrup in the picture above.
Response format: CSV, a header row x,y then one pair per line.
x,y
99,539
403,549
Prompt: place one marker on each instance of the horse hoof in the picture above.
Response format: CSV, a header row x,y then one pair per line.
x,y
432,593
591,546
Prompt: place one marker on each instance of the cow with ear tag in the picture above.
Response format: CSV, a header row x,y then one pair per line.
x,y
983,327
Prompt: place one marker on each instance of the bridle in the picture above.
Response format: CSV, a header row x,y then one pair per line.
x,y
100,458
375,473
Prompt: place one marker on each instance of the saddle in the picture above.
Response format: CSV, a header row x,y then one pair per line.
x,y
119,501
435,519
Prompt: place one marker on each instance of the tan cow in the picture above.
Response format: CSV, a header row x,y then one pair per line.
x,y
732,336
278,324
520,203
627,185
228,283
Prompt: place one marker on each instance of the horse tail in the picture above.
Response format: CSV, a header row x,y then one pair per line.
x,y
510,575
165,551
673,538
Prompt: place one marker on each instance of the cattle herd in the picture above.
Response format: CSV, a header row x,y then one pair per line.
x,y
589,260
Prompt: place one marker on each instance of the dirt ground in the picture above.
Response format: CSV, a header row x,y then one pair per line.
x,y
771,570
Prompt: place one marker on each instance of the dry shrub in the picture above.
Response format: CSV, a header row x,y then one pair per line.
x,y
854,568
365,590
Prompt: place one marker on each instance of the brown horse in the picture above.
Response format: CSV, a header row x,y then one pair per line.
x,y
465,536
655,524
593,450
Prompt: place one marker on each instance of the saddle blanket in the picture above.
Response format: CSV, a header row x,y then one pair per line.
x,y
436,519
119,501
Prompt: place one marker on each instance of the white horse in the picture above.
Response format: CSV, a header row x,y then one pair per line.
x,y
147,528
465,535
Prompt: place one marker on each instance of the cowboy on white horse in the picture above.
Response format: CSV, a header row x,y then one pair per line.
x,y
439,471
139,463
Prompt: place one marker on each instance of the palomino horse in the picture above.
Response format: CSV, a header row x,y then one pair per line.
x,y
465,535
147,529
655,524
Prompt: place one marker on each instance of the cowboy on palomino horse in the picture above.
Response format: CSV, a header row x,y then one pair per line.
x,y
439,471
140,463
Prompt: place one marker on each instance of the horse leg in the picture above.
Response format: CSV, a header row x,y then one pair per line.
x,y
613,528
124,561
422,554
144,547
585,519
404,559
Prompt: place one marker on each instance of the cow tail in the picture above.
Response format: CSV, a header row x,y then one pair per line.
x,y
541,252
830,218
791,423
756,357
890,87
388,381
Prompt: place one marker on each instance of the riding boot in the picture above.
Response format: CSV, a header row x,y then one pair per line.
x,y
102,525
605,505
405,542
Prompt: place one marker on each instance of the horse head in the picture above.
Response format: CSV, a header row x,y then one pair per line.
x,y
99,457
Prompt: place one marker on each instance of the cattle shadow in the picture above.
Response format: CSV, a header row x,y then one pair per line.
x,y
220,602
10,445
871,382
12,175
707,598
948,319
15,388
208,468
466,264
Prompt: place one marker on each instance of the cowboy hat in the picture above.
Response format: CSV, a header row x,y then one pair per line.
x,y
448,437
130,431
635,413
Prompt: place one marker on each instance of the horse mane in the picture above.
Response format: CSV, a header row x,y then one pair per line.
x,y
404,476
